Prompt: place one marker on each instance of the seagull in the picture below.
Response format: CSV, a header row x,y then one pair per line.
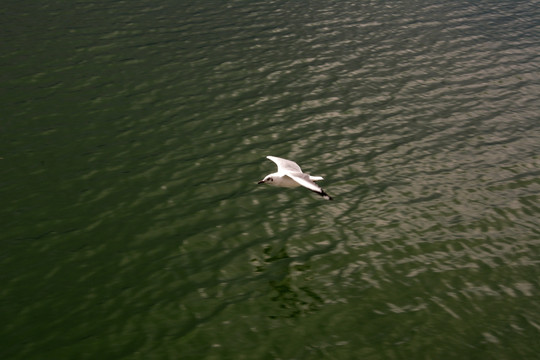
x,y
289,174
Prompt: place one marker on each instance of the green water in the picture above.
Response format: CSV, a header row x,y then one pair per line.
x,y
132,136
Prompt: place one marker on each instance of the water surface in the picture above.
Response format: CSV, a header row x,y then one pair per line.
x,y
133,135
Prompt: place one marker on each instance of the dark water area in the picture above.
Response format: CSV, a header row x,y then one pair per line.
x,y
133,134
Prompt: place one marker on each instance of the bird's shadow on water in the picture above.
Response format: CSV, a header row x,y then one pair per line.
x,y
277,266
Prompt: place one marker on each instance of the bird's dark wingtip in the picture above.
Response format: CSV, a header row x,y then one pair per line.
x,y
323,194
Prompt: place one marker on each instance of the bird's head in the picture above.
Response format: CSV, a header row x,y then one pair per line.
x,y
267,179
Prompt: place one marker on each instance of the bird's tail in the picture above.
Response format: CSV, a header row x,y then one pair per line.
x,y
315,178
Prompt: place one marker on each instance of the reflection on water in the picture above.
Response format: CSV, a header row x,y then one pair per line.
x,y
282,271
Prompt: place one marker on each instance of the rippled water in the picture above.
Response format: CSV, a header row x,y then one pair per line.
x,y
133,135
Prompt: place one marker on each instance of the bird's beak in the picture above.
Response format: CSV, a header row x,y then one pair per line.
x,y
261,182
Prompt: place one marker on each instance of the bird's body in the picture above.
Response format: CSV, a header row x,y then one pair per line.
x,y
289,174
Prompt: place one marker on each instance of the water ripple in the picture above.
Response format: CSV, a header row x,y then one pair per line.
x,y
133,148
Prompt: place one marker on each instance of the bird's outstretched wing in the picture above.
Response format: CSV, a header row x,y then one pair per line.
x,y
303,179
284,165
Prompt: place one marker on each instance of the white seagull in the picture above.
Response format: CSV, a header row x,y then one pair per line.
x,y
289,174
